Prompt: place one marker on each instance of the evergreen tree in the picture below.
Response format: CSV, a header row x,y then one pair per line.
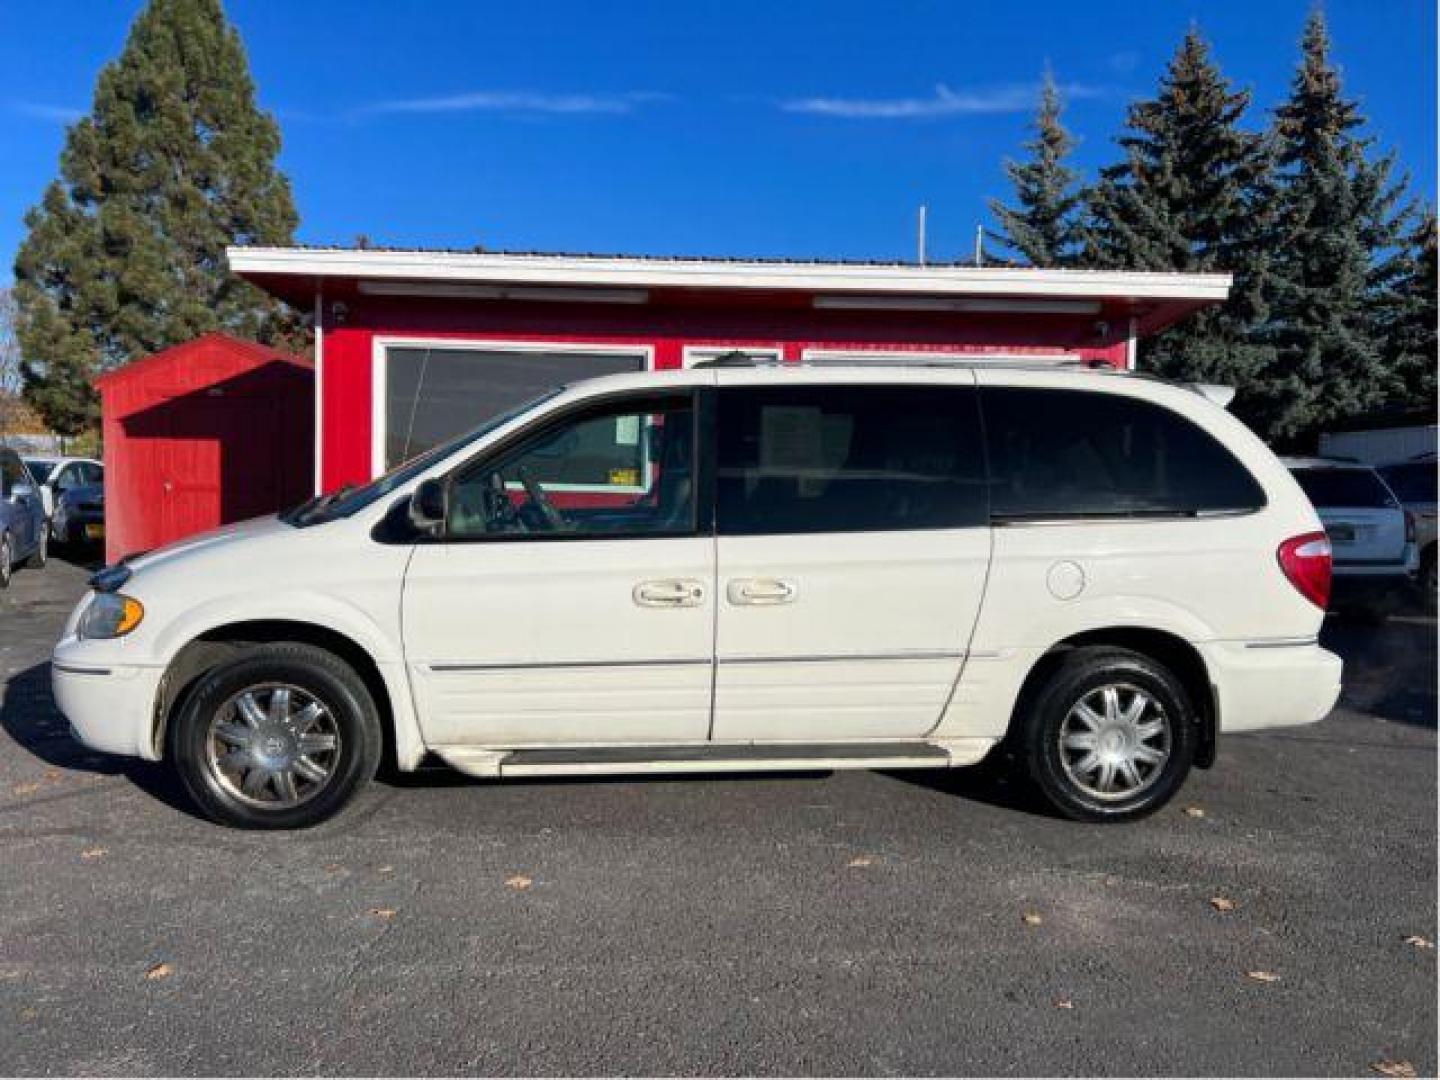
x,y
1340,224
1043,226
125,253
1190,195
1408,317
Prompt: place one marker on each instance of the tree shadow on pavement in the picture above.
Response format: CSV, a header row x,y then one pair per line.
x,y
29,716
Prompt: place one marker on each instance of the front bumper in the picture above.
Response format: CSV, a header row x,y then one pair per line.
x,y
110,708
1275,683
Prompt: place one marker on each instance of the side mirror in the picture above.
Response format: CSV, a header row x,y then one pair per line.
x,y
21,491
427,507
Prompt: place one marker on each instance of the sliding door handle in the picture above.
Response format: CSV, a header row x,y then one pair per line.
x,y
673,592
759,592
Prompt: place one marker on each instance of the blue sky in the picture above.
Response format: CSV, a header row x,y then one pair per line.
x,y
749,127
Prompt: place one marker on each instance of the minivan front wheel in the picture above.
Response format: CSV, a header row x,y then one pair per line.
x,y
279,738
1110,735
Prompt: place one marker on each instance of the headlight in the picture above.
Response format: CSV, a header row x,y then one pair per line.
x,y
110,615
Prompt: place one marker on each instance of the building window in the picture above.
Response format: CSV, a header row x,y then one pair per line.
x,y
433,392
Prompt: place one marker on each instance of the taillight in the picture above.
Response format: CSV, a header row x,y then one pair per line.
x,y
1409,527
1306,562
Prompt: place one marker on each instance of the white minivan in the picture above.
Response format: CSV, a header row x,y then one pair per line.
x,y
738,568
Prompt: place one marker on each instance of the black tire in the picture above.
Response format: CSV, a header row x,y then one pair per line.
x,y
1087,671
1426,580
7,561
317,673
41,555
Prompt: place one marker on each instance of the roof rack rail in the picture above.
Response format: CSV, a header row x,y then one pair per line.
x,y
741,359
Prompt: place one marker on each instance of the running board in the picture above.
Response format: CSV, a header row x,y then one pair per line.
x,y
737,757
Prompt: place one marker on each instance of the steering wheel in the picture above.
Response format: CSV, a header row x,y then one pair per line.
x,y
540,501
500,515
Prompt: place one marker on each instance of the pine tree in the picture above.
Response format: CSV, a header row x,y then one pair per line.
x,y
1043,226
1339,223
1190,195
125,253
1408,316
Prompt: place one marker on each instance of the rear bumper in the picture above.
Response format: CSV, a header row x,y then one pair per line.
x,y
1267,684
110,709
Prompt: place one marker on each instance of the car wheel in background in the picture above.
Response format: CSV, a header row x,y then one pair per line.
x,y
279,738
41,555
1110,736
1427,580
59,531
6,561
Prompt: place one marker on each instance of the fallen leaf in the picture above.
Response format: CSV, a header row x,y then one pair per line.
x,y
29,1014
383,912
859,861
26,789
386,869
332,868
1262,976
161,970
1031,919
1393,1068
1221,903
1419,942
93,853
518,882
1194,811
1064,1003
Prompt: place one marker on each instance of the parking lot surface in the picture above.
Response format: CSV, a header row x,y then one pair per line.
x,y
1279,917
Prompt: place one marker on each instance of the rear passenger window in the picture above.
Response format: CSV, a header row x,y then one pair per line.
x,y
811,459
1070,453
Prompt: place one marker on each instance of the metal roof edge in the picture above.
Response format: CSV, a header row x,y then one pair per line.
x,y
651,272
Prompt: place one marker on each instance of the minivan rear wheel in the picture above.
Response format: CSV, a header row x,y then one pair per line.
x,y
1110,735
279,738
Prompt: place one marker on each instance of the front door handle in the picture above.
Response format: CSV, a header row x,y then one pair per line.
x,y
761,591
670,593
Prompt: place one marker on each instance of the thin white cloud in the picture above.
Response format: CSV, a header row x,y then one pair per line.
x,y
517,102
1012,98
43,110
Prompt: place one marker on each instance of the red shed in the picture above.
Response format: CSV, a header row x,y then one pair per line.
x,y
415,346
202,434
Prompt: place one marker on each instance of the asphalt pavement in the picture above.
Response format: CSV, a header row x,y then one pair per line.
x,y
1279,917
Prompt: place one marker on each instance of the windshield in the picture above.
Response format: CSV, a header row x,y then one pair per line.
x,y
348,499
1344,487
40,470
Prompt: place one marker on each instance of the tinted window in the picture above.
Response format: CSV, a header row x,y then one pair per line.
x,y
1344,487
40,470
811,459
431,395
620,469
1065,453
11,472
1412,483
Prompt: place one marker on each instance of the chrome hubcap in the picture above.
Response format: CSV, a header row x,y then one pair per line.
x,y
273,745
1115,741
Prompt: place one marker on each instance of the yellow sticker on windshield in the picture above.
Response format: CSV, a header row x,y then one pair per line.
x,y
625,477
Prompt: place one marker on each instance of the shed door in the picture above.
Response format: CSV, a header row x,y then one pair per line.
x,y
215,462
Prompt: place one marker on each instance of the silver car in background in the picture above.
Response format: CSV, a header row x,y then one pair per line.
x,y
1371,534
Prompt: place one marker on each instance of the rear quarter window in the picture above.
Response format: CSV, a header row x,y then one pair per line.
x,y
1078,453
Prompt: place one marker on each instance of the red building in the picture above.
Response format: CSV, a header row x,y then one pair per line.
x,y
415,346
209,432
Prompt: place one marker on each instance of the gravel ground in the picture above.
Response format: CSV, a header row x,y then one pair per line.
x,y
905,923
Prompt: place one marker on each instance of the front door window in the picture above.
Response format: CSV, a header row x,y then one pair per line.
x,y
621,469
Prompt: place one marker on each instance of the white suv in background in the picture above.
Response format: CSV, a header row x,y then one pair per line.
x,y
738,568
1372,535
